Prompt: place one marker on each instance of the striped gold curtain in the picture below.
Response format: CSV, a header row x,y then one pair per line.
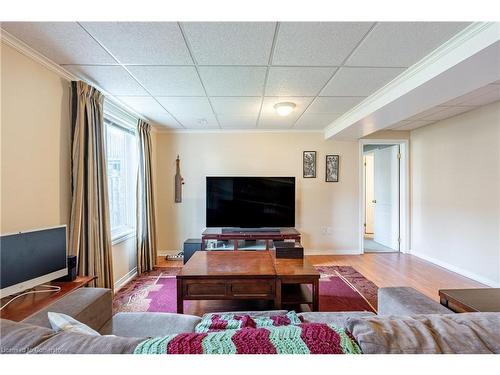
x,y
146,223
89,232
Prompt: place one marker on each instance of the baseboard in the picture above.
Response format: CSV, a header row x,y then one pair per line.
x,y
125,279
164,253
459,270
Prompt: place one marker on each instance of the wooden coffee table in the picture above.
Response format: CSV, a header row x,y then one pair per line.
x,y
471,300
246,275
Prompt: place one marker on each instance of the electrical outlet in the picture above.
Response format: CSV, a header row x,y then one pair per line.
x,y
326,231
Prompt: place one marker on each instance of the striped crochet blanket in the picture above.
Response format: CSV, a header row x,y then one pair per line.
x,y
219,322
305,338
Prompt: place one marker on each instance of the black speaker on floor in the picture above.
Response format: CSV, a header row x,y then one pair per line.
x,y
71,269
190,246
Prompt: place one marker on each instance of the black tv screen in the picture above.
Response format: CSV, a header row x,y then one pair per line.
x,y
251,202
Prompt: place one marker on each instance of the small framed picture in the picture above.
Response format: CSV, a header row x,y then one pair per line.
x,y
309,164
332,168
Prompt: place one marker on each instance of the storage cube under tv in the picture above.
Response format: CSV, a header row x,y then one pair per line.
x,y
288,250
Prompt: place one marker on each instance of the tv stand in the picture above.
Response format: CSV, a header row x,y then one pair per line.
x,y
245,239
250,230
30,304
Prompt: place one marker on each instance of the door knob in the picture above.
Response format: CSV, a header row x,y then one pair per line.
x,y
374,201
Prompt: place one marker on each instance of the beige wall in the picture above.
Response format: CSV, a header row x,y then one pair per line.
x,y
456,193
35,141
35,151
326,213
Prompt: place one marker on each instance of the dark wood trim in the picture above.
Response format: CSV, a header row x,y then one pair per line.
x,y
471,300
30,304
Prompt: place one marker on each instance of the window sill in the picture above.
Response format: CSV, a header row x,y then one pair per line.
x,y
122,236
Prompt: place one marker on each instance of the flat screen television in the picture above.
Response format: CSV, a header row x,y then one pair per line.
x,y
32,258
250,202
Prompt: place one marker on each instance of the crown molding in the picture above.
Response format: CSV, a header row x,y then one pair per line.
x,y
232,131
468,42
26,50
36,56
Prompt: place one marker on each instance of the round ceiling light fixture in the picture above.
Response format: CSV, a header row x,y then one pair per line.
x,y
284,108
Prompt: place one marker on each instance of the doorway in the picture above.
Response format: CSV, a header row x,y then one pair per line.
x,y
384,199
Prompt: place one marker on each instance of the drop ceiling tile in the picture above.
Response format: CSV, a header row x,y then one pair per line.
x,y
113,79
317,43
447,112
402,43
486,98
144,43
164,120
269,119
300,102
359,81
398,124
470,97
297,81
62,42
428,112
145,105
169,80
237,121
315,121
230,43
410,125
334,104
234,105
184,107
233,80
207,121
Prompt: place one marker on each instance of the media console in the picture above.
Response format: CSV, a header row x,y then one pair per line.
x,y
245,239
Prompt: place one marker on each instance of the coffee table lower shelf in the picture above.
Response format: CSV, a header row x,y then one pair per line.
x,y
291,296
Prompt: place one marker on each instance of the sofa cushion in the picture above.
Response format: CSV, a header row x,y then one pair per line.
x,y
19,338
79,343
338,319
91,306
469,333
149,324
405,301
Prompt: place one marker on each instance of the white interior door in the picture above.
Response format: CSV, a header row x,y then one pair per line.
x,y
369,193
386,194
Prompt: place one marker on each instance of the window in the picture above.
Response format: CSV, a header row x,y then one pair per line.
x,y
121,154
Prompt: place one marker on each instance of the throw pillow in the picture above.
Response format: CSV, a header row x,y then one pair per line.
x,y
63,322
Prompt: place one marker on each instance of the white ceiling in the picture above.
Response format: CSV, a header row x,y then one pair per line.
x,y
210,75
485,95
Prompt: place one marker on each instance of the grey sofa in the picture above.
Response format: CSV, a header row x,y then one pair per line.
x,y
407,322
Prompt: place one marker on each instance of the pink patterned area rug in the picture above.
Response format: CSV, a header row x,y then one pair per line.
x,y
341,288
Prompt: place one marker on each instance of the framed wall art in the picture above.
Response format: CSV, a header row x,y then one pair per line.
x,y
332,168
309,164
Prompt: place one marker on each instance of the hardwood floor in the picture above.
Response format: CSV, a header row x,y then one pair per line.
x,y
390,269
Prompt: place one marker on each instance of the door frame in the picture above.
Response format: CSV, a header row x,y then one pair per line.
x,y
404,191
